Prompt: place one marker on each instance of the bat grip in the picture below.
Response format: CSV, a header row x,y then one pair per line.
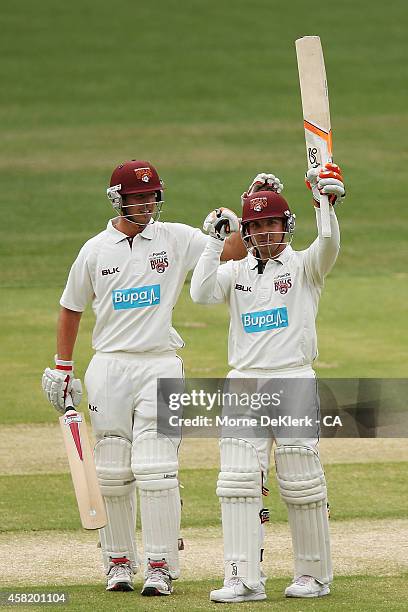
x,y
324,200
69,404
325,216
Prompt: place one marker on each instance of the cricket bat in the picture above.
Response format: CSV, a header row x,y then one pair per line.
x,y
83,471
316,112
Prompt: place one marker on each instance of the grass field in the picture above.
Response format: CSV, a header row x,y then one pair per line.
x,y
360,594
209,93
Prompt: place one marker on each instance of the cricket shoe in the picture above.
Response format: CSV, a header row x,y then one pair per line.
x,y
158,580
235,591
120,577
306,586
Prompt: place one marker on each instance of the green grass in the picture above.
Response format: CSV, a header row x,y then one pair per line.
x,y
354,330
357,594
34,502
212,96
209,92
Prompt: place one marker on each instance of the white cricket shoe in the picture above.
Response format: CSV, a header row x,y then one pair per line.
x,y
120,578
158,580
235,591
306,586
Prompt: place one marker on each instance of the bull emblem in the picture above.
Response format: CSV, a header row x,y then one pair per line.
x,y
143,174
258,204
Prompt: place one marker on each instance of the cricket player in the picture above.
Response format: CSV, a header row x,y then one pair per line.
x,y
132,273
273,297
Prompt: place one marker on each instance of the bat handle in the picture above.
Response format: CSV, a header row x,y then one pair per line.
x,y
69,404
324,200
325,216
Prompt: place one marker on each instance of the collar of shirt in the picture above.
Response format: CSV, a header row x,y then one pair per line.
x,y
282,259
118,236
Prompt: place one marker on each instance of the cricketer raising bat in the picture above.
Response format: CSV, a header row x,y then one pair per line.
x,y
82,466
316,113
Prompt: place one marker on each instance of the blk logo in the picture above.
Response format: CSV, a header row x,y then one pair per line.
x,y
92,408
242,288
110,271
234,569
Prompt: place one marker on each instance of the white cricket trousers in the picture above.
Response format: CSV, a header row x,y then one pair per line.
x,y
121,391
122,396
264,445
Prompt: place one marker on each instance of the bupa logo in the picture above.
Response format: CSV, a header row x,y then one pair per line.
x,y
136,297
265,320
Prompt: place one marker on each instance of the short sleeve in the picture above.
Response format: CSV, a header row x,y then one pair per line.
x,y
192,242
79,290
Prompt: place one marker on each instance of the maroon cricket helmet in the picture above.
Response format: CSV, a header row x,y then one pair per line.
x,y
136,176
263,205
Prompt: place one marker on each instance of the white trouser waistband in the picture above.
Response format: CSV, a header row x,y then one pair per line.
x,y
135,356
306,371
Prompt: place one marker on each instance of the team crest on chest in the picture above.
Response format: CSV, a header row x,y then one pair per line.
x,y
159,261
283,283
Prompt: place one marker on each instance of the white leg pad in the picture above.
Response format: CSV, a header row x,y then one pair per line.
x,y
303,488
155,466
113,459
239,488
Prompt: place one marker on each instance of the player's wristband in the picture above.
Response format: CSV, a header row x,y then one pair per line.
x,y
64,366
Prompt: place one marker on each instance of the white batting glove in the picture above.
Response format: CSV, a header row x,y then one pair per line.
x,y
328,181
265,182
60,382
221,223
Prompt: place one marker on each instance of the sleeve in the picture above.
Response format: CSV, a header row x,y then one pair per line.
x,y
322,253
79,289
190,242
197,243
211,282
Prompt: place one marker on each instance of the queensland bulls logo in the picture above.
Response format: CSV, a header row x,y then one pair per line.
x,y
283,283
159,261
143,174
258,204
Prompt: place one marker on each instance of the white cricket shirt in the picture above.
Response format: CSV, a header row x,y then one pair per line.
x,y
134,285
273,314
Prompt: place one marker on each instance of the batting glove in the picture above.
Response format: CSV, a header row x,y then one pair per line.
x,y
220,223
60,382
327,181
265,182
